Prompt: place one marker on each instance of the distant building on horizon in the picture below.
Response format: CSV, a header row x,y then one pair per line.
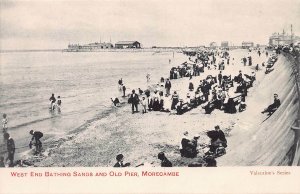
x,y
127,44
90,46
246,45
282,39
224,44
213,45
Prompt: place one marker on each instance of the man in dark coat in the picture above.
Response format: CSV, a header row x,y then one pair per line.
x,y
220,76
10,149
168,86
217,137
53,100
273,107
164,160
134,101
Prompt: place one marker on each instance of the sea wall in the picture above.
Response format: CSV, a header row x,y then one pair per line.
x,y
267,142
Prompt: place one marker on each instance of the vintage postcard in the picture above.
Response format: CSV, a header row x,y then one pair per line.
x,y
149,96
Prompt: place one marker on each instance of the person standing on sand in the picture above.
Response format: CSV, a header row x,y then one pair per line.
x,y
168,86
144,104
250,60
244,61
220,76
120,159
124,90
10,149
4,123
148,77
164,160
134,101
175,100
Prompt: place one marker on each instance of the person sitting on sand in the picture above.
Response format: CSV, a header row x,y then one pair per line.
x,y
115,101
273,107
53,100
210,162
217,137
156,106
189,147
120,159
164,160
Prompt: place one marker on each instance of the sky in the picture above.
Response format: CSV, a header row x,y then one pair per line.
x,y
46,24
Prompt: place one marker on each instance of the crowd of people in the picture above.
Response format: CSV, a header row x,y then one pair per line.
x,y
211,92
220,91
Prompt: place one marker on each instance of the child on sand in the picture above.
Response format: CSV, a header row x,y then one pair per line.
x,y
144,104
4,123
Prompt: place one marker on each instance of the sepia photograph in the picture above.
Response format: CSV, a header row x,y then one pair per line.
x,y
127,85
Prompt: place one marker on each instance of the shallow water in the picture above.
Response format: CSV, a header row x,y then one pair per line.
x,y
85,81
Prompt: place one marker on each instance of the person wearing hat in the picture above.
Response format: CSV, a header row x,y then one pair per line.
x,y
168,86
134,101
175,100
120,159
164,160
191,86
189,147
36,135
52,99
273,107
220,77
217,137
10,149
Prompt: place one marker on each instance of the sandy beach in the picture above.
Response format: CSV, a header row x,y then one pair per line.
x,y
140,137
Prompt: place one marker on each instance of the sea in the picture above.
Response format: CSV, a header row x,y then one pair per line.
x,y
85,81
